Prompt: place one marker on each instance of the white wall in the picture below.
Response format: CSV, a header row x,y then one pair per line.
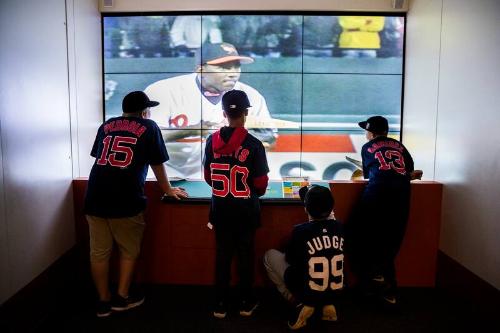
x,y
452,98
423,42
192,5
468,146
37,221
85,73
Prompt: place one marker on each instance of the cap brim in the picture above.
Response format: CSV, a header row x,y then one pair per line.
x,y
241,59
153,103
363,124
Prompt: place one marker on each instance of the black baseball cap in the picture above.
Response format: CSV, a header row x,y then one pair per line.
x,y
235,100
317,199
375,124
219,53
136,101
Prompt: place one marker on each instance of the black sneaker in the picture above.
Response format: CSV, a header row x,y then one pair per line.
x,y
220,310
103,309
299,316
247,307
120,303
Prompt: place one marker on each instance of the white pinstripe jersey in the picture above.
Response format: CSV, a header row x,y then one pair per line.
x,y
183,104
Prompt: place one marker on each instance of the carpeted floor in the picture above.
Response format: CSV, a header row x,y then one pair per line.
x,y
188,309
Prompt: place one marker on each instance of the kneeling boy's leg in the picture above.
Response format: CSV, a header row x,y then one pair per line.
x,y
276,265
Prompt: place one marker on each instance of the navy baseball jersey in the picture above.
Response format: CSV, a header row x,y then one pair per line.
x,y
235,166
316,257
386,162
124,148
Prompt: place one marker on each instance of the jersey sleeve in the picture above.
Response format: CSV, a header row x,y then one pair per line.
x,y
207,156
408,161
365,159
98,139
260,166
157,152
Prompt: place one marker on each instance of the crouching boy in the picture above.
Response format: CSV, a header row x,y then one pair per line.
x,y
310,272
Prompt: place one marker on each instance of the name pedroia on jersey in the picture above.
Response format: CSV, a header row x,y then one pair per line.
x,y
125,125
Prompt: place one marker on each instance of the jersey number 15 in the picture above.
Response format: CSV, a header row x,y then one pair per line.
x,y
117,147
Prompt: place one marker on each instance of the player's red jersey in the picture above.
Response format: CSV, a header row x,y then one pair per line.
x,y
236,168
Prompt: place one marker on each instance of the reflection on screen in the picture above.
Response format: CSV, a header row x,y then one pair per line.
x,y
310,80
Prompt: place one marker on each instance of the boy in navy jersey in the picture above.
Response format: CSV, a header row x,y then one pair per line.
x,y
310,273
114,202
377,227
235,166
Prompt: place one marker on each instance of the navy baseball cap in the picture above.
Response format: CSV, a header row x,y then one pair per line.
x,y
317,199
376,124
219,53
136,101
235,100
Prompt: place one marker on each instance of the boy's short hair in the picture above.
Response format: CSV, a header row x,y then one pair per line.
x,y
318,200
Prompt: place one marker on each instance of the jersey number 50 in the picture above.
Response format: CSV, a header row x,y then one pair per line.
x,y
116,147
333,267
229,185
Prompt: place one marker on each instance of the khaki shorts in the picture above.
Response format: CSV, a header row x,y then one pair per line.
x,y
127,232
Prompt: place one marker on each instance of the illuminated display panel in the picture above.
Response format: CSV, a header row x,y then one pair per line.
x,y
312,79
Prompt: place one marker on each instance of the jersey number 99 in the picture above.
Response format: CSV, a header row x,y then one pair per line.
x,y
320,268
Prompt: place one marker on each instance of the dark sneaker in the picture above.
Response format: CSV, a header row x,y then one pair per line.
x,y
247,307
299,316
329,313
220,310
390,300
103,309
120,303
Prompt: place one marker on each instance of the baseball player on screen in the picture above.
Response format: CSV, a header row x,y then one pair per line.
x,y
191,104
235,166
378,223
310,273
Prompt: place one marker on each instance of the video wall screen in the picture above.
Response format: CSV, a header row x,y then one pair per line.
x,y
310,80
